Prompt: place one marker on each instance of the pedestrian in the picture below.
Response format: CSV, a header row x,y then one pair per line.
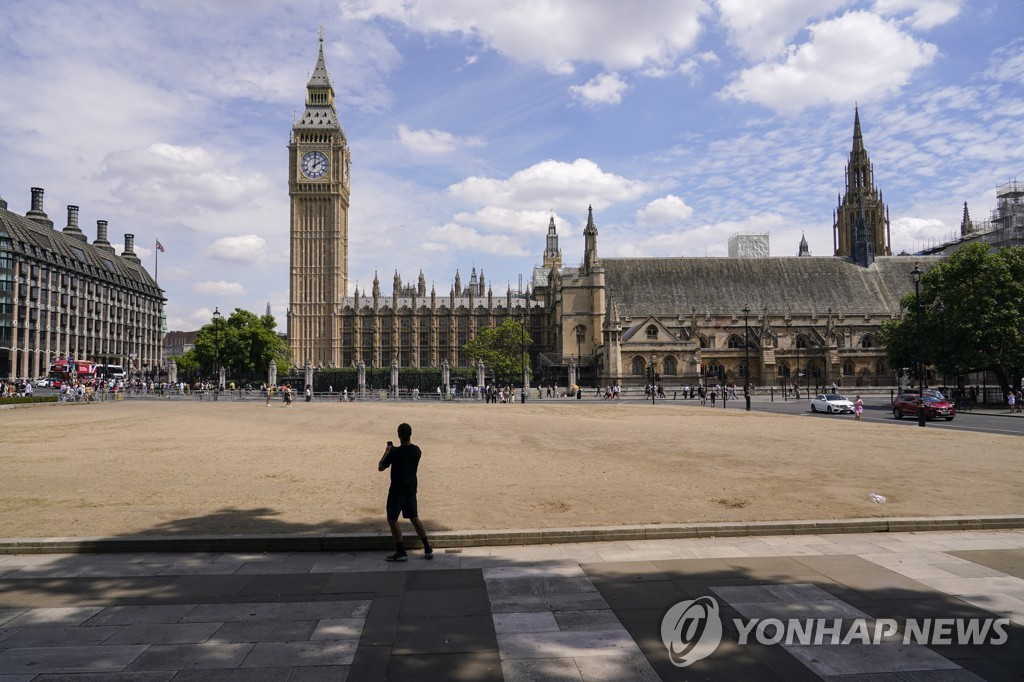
x,y
858,408
1011,400
1020,399
309,393
404,462
287,395
270,393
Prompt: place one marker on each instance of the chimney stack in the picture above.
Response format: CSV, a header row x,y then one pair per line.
x,y
72,226
101,237
3,204
129,249
37,214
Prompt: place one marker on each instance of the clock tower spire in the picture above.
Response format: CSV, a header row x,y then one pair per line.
x,y
318,186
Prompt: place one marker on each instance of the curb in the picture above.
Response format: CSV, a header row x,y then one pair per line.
x,y
347,542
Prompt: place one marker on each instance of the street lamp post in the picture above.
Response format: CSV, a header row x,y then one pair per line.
x,y
522,356
581,331
216,343
654,385
746,355
942,318
922,417
797,381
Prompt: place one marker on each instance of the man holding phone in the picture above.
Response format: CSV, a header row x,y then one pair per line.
x,y
404,461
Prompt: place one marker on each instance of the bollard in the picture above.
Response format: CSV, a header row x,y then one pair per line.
x,y
773,393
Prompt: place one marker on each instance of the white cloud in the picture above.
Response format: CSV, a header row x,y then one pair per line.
x,y
434,141
858,56
552,185
184,179
556,33
466,238
761,29
706,240
605,88
1007,63
496,219
667,209
924,14
219,287
913,234
248,249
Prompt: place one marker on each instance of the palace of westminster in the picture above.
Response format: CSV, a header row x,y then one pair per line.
x,y
605,321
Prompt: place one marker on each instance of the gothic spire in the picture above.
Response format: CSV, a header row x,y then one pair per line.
x,y
589,242
858,138
320,77
805,250
966,226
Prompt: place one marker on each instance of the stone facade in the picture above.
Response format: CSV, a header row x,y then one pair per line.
x,y
61,296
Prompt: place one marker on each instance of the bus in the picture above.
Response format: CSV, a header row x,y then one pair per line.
x,y
110,372
63,371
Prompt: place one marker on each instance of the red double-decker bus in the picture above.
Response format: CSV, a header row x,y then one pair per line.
x,y
72,370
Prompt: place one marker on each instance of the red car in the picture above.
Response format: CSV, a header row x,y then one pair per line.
x,y
935,408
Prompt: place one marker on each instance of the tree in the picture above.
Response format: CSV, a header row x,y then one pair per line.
x,y
187,363
502,349
972,316
243,343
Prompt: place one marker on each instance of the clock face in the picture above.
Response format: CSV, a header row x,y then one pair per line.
x,y
314,165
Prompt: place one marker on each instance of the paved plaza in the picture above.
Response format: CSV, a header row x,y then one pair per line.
x,y
581,611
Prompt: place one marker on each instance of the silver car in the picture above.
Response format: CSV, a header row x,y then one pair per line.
x,y
831,403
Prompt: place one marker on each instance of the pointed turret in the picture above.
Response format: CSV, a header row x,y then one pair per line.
x,y
319,113
421,285
805,250
483,289
376,286
966,226
861,196
457,289
552,254
472,280
858,138
589,242
397,285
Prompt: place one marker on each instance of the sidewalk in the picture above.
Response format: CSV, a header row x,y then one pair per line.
x,y
580,611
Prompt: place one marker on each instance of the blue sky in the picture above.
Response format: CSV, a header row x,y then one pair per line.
x,y
470,122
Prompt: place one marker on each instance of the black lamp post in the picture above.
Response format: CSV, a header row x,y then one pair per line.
x,y
522,356
922,417
798,375
654,384
216,343
746,355
581,331
942,319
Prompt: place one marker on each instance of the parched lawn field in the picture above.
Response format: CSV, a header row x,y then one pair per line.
x,y
152,467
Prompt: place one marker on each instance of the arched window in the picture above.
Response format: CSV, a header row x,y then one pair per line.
x,y
735,342
849,369
743,370
669,366
801,342
868,341
639,366
880,368
703,341
783,369
652,332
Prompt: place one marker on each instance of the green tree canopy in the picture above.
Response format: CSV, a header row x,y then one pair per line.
x,y
501,349
972,316
244,344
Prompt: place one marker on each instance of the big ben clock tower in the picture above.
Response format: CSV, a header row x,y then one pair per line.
x,y
318,185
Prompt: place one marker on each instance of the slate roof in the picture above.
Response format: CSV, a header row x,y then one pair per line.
x,y
663,287
104,265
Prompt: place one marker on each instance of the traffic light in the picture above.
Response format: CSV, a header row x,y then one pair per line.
x,y
702,370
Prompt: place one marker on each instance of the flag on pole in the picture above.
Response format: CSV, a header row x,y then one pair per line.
x,y
159,246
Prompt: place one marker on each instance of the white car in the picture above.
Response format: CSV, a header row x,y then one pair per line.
x,y
831,403
42,383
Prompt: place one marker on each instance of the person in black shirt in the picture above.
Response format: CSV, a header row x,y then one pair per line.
x,y
404,461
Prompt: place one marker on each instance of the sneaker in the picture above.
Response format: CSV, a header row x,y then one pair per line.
x,y
397,556
428,552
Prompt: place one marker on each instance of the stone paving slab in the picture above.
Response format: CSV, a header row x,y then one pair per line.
x,y
572,611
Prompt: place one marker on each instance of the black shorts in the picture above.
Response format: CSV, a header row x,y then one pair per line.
x,y
401,502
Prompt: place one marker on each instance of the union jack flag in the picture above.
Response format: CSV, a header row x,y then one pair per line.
x,y
159,246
